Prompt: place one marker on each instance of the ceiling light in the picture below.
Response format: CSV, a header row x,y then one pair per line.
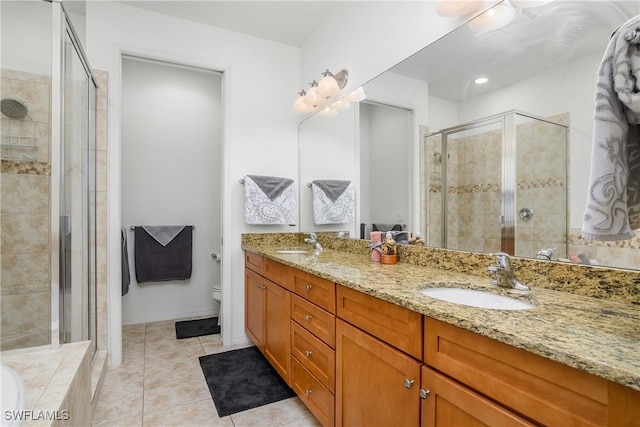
x,y
481,80
452,8
494,18
325,95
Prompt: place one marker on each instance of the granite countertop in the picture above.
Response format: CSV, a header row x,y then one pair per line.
x,y
594,335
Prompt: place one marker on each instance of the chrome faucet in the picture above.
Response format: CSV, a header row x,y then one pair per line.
x,y
545,253
505,276
313,239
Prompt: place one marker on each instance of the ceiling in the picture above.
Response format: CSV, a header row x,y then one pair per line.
x,y
289,22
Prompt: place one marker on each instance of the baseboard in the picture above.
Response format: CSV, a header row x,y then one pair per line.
x,y
171,316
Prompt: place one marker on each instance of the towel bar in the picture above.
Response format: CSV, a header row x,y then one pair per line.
x,y
241,181
309,184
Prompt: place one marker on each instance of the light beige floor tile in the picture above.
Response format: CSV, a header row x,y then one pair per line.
x,y
274,414
127,422
172,367
212,344
309,421
200,413
160,394
175,348
119,402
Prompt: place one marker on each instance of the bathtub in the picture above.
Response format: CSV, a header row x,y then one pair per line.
x,y
12,397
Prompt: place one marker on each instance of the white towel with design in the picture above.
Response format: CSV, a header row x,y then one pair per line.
x,y
333,202
270,200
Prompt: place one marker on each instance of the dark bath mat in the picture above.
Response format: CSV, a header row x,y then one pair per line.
x,y
197,328
242,379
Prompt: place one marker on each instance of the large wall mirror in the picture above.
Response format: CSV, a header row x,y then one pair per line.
x,y
486,164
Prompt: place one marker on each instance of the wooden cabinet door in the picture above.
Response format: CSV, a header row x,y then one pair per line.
x,y
451,404
376,384
254,307
277,322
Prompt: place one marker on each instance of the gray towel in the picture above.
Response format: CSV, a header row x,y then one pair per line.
x,y
126,273
613,201
271,186
332,188
156,262
163,234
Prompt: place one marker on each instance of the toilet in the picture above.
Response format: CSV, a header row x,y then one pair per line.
x,y
216,294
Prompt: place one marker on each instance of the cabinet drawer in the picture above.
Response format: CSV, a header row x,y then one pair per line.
x,y
395,325
320,323
318,399
277,273
253,261
319,291
545,391
313,354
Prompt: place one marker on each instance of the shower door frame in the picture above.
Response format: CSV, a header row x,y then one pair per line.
x,y
61,28
508,171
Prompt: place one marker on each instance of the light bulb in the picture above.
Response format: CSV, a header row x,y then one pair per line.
x,y
341,104
356,96
494,18
453,8
312,97
327,112
302,107
328,87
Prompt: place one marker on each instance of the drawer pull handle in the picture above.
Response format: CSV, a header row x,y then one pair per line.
x,y
261,287
424,393
308,392
308,317
308,353
308,287
408,383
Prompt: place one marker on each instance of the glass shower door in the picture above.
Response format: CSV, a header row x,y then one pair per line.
x,y
77,225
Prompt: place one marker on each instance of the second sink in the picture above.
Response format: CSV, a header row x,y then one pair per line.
x,y
476,298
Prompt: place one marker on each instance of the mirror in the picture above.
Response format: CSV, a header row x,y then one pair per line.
x,y
543,63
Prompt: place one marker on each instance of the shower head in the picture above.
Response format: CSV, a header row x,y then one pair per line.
x,y
13,109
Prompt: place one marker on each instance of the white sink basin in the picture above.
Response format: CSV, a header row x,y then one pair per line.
x,y
292,251
476,298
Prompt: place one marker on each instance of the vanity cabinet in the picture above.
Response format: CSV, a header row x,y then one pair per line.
x,y
267,315
542,390
377,379
313,339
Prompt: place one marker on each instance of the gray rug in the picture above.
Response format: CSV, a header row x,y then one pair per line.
x,y
242,379
197,328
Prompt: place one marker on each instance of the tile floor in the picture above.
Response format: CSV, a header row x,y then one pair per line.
x,y
160,383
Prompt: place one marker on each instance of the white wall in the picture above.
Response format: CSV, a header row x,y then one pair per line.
x,y
171,145
369,37
260,130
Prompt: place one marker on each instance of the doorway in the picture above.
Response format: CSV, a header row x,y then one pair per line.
x,y
171,175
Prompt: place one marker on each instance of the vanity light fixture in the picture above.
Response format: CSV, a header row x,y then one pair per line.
x,y
455,8
327,94
494,18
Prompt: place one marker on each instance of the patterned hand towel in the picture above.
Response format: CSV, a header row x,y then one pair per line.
x,y
269,200
333,202
613,202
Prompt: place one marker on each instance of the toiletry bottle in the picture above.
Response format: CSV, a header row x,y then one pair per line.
x,y
376,239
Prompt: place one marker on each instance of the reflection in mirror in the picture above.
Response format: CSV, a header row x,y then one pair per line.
x,y
544,63
385,197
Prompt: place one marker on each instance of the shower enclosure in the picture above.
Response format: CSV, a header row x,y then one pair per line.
x,y
47,184
497,184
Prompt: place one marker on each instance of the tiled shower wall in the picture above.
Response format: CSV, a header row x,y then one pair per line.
x,y
474,175
25,287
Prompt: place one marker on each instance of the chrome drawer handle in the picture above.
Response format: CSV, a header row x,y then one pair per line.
x,y
308,317
307,392
408,383
308,353
424,393
261,287
308,287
